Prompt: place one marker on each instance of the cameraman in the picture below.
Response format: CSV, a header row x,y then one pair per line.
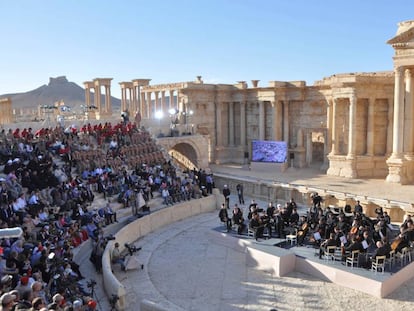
x,y
116,257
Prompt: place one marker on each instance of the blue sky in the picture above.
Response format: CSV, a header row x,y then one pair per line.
x,y
171,41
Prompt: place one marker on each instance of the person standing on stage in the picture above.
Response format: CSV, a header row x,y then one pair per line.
x,y
239,189
226,194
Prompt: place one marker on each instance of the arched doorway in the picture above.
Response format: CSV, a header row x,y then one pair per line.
x,y
185,155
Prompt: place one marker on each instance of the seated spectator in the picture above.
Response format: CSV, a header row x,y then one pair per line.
x,y
116,257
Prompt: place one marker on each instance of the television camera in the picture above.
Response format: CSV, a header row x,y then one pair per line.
x,y
132,248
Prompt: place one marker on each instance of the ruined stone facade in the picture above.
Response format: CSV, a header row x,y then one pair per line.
x,y
354,125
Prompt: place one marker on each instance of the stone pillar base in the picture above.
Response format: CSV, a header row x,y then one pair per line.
x,y
343,166
398,170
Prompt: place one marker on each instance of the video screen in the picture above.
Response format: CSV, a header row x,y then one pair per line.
x,y
269,151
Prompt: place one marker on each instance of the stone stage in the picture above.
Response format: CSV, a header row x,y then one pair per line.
x,y
280,258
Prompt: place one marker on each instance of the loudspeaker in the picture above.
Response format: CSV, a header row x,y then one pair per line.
x,y
246,155
292,155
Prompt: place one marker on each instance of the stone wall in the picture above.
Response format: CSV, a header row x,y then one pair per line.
x,y
144,226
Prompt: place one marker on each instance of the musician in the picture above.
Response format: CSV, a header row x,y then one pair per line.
x,y
292,205
338,235
238,219
224,217
321,228
257,226
381,250
324,245
404,238
278,222
271,210
355,245
294,217
358,208
304,228
253,204
380,231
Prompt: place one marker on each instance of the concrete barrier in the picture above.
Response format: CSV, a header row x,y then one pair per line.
x,y
146,225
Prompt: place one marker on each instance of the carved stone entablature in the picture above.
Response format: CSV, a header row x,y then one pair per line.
x,y
168,86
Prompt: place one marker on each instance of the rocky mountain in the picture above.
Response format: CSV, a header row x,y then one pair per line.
x,y
58,89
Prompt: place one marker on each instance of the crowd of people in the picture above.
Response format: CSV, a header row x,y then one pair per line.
x,y
50,179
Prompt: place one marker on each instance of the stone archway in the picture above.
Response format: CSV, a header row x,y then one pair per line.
x,y
192,151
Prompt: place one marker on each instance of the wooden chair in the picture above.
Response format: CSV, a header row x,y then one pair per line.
x,y
403,257
390,261
378,264
329,253
352,259
292,238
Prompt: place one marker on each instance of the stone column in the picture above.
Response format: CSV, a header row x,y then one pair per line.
x,y
163,108
149,105
371,127
390,125
243,126
231,124
397,144
352,127
408,113
130,107
108,99
172,105
262,125
122,98
156,108
278,120
329,118
144,109
219,127
334,131
87,97
276,117
286,122
134,101
97,98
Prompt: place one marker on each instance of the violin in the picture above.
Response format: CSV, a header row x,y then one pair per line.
x,y
304,228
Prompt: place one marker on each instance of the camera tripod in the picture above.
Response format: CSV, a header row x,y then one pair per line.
x,y
112,301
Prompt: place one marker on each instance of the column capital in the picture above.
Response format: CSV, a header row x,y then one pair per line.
x,y
399,70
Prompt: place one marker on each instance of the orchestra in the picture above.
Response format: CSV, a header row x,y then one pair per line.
x,y
321,227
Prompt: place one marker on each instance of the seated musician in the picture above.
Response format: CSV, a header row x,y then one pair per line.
x,y
294,217
257,226
401,241
321,228
380,231
303,230
324,245
224,217
380,251
354,245
238,219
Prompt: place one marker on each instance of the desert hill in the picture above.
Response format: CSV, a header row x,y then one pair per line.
x,y
58,89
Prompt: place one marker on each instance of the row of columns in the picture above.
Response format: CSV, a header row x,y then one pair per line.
x,y
131,99
96,85
332,112
280,121
135,99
